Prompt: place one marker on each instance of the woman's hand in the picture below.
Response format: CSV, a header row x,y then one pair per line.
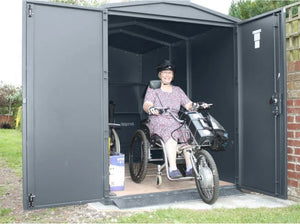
x,y
153,111
150,109
193,106
205,105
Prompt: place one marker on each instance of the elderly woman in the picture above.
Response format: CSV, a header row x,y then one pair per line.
x,y
164,125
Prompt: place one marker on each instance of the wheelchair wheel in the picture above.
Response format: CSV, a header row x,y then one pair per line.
x,y
158,180
208,180
138,156
114,142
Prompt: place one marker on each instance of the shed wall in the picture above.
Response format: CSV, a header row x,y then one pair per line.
x,y
124,90
213,81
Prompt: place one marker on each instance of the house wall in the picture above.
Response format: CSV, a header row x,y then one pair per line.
x,y
293,101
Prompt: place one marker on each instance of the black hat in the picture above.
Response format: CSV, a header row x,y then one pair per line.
x,y
166,65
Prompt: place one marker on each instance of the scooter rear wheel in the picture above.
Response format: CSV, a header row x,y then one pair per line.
x,y
208,180
138,156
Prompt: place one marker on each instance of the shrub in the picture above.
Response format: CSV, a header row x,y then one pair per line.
x,y
5,125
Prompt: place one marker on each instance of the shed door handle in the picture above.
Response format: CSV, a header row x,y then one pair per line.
x,y
273,100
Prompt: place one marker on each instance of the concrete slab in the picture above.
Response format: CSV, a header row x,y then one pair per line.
x,y
244,200
159,198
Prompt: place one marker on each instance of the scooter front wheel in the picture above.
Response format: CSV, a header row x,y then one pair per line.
x,y
207,181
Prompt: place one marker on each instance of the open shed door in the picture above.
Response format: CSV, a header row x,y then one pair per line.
x,y
65,98
262,104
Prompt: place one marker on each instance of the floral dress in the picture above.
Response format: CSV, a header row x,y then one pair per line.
x,y
164,125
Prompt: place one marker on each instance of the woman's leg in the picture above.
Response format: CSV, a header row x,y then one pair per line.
x,y
171,147
188,162
187,158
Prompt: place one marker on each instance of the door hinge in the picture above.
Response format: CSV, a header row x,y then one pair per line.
x,y
276,22
105,74
31,198
30,13
105,15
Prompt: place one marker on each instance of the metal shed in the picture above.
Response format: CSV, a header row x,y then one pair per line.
x,y
76,59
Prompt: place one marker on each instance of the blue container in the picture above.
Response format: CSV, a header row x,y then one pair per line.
x,y
117,172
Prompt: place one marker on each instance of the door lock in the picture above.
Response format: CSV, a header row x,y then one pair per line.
x,y
276,105
273,100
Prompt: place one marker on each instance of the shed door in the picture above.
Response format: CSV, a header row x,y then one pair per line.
x,y
262,128
65,106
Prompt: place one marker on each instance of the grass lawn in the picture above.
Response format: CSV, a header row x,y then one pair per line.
x,y
289,214
11,148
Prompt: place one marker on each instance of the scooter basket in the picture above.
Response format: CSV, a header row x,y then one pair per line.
x,y
200,129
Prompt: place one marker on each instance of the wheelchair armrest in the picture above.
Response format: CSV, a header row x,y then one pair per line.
x,y
114,125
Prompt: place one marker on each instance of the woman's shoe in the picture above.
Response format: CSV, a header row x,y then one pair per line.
x,y
189,173
175,174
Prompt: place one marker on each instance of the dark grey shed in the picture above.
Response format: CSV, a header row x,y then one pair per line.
x,y
76,59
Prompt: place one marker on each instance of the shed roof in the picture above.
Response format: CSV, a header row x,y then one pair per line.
x,y
147,25
169,9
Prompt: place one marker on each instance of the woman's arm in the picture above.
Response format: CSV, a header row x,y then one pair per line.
x,y
147,105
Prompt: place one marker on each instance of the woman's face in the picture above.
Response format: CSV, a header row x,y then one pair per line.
x,y
166,76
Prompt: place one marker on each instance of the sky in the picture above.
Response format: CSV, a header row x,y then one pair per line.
x,y
11,36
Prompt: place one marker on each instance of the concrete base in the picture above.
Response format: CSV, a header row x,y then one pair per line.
x,y
241,200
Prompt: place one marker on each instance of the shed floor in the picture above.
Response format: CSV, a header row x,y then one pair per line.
x,y
148,185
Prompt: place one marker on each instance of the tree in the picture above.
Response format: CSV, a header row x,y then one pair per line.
x,y
10,100
10,96
244,9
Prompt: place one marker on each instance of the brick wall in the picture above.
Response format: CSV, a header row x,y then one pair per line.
x,y
293,101
293,129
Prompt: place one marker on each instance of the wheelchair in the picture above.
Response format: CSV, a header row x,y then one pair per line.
x,y
114,145
204,133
